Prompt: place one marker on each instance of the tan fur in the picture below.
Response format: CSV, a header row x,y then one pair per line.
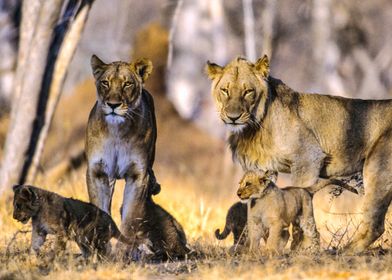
x,y
121,136
314,137
67,218
272,210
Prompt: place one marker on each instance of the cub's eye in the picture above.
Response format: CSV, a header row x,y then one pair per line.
x,y
127,84
225,92
105,83
249,92
247,184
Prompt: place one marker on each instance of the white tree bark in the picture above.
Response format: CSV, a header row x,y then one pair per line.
x,y
249,30
268,20
39,43
63,60
325,50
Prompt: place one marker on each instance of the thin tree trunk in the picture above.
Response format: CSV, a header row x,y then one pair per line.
x,y
40,42
249,30
268,20
326,52
67,50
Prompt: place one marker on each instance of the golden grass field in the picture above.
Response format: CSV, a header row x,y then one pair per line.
x,y
197,190
198,186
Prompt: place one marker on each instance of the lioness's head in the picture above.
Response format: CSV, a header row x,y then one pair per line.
x,y
119,86
26,204
240,91
253,185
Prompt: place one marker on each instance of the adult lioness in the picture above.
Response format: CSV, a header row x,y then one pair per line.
x,y
313,137
121,135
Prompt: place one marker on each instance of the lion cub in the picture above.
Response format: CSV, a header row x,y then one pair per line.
x,y
166,237
67,218
236,219
271,210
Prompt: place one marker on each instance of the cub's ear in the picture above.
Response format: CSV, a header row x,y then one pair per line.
x,y
271,175
262,66
16,187
143,67
264,181
213,70
28,193
97,65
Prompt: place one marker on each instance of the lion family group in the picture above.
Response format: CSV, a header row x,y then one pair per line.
x,y
319,139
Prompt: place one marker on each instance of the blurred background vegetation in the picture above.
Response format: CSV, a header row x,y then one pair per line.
x,y
327,46
340,47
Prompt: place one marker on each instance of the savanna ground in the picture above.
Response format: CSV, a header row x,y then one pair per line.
x,y
198,186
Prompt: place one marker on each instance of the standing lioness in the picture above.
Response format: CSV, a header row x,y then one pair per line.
x,y
121,135
314,137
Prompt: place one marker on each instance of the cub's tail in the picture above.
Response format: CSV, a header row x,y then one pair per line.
x,y
224,234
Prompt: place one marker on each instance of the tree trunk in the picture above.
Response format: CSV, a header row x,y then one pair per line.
x,y
325,50
43,30
54,86
268,20
249,30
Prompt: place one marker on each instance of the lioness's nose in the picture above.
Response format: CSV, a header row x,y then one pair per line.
x,y
239,193
113,105
234,118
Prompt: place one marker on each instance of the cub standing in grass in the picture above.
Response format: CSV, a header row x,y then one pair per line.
x,y
67,218
236,220
121,136
271,210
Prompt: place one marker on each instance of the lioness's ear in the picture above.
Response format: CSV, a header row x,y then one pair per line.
x,y
97,65
262,66
143,67
213,70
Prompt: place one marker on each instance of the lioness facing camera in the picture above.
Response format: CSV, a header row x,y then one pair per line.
x,y
121,136
314,137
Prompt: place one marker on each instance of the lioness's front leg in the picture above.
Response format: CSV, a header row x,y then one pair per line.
x,y
100,190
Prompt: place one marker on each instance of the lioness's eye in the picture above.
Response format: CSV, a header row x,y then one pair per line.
x,y
127,84
225,92
105,83
247,184
249,92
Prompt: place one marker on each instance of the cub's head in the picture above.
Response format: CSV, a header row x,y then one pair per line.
x,y
252,185
240,91
119,86
26,203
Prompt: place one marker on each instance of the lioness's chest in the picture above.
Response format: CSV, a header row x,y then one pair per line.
x,y
117,156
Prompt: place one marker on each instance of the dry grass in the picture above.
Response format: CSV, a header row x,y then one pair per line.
x,y
200,214
195,189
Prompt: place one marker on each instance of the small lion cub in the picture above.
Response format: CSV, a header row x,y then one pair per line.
x,y
236,220
67,218
271,210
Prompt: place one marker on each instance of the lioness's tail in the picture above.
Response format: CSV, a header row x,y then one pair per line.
x,y
224,234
